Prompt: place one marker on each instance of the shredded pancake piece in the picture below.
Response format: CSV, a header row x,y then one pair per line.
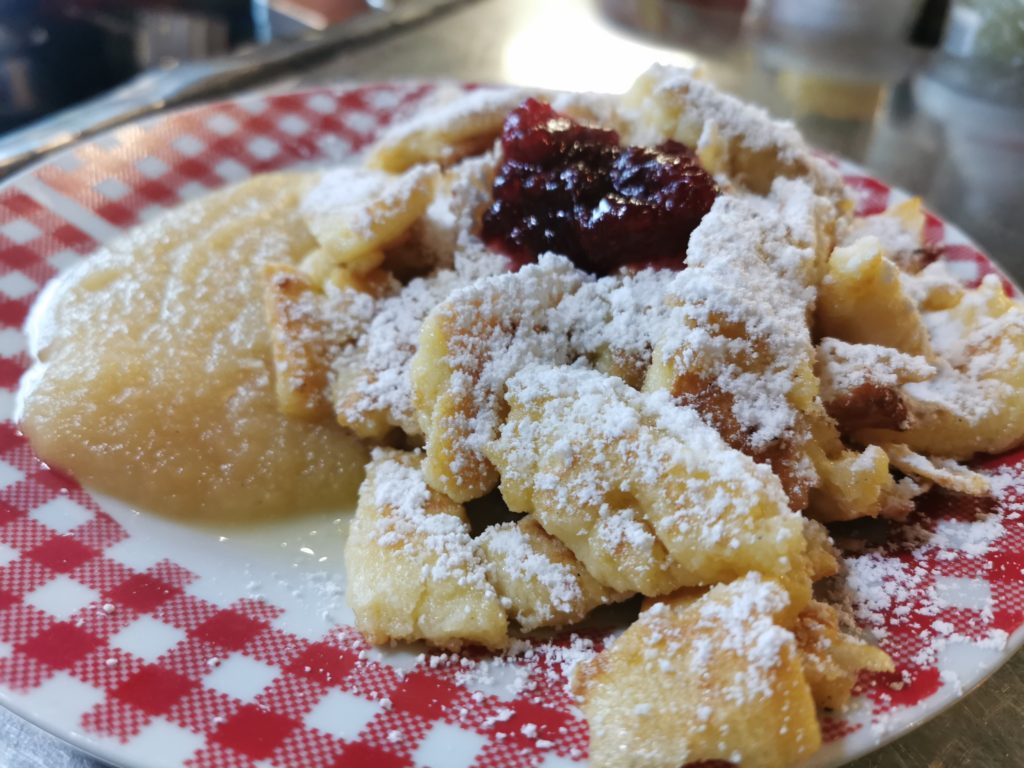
x,y
306,323
739,350
831,658
861,383
972,404
713,678
455,126
540,581
862,300
469,347
737,140
413,571
646,495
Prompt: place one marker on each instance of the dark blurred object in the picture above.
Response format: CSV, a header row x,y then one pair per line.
x,y
35,52
55,52
181,81
146,33
927,30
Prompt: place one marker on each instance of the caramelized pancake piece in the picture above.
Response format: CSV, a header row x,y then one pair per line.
x,y
862,300
716,678
861,384
869,405
974,403
468,124
307,327
539,580
372,389
831,658
646,495
469,346
863,387
413,571
299,337
354,213
855,483
739,350
730,137
479,336
696,381
372,392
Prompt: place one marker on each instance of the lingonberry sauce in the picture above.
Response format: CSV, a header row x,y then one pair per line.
x,y
573,189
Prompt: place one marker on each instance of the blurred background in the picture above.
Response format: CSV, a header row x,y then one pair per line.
x,y
928,94
831,56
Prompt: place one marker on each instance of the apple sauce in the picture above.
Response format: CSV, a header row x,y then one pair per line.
x,y
153,378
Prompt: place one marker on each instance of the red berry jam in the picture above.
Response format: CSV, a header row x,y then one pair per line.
x,y
573,189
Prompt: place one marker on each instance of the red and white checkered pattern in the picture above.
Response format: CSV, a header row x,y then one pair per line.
x,y
112,646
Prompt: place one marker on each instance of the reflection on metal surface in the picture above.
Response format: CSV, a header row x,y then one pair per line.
x,y
163,36
562,46
292,18
709,28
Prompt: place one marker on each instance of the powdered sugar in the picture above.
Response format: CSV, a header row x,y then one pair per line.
x,y
617,319
512,672
844,367
547,312
681,105
553,583
740,323
371,378
899,242
893,591
744,625
978,335
968,538
952,392
568,321
399,489
356,196
453,117
447,230
373,375
642,477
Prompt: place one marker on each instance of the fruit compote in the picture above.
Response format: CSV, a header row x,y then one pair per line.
x,y
575,190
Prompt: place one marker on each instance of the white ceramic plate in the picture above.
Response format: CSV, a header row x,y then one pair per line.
x,y
150,643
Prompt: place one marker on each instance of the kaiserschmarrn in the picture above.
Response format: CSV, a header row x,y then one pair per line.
x,y
651,330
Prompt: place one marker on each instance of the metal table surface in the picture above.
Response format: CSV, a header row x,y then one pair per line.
x,y
886,109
